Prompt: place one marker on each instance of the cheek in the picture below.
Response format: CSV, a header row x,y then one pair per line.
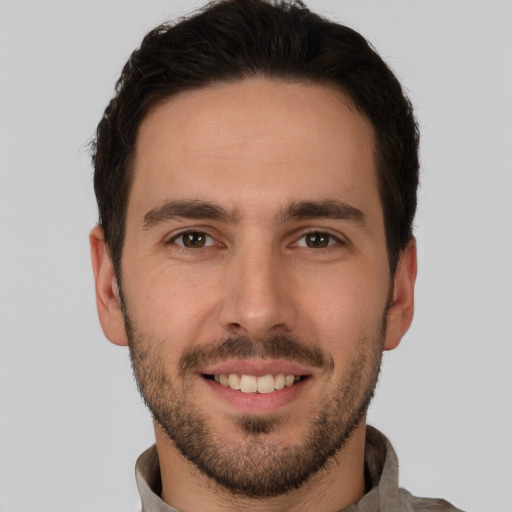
x,y
345,308
168,302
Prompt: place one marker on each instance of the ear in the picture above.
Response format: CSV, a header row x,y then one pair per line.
x,y
401,309
108,301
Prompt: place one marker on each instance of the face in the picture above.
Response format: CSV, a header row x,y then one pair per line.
x,y
255,283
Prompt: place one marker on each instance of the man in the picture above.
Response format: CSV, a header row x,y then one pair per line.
x,y
256,179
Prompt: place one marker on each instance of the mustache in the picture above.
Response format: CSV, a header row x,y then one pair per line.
x,y
282,346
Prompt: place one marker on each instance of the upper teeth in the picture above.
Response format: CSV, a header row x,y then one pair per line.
x,y
253,384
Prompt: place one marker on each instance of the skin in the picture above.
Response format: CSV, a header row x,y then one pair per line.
x,y
256,276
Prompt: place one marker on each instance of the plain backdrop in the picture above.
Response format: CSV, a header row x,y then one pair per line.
x,y
71,421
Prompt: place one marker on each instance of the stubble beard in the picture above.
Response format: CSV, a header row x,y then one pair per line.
x,y
255,466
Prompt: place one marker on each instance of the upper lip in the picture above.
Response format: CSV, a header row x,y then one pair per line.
x,y
256,367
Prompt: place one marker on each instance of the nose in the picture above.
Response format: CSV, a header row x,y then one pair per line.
x,y
258,297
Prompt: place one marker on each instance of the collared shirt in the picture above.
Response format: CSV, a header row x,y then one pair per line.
x,y
381,471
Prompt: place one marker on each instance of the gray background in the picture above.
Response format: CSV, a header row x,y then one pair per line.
x,y
71,421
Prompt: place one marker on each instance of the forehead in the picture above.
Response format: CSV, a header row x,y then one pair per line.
x,y
254,142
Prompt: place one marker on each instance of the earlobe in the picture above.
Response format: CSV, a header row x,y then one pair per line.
x,y
401,310
108,301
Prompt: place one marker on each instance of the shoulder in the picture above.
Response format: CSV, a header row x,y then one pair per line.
x,y
412,503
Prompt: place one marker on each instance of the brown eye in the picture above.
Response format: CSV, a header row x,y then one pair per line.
x,y
193,239
318,240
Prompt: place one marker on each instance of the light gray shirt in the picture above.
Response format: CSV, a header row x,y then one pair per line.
x,y
381,471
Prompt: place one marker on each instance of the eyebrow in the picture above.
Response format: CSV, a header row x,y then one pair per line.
x,y
206,210
326,209
187,209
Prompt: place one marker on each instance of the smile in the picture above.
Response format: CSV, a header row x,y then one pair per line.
x,y
255,384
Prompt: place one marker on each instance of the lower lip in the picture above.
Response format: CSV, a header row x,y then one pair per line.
x,y
256,402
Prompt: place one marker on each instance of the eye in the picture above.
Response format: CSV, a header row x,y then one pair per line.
x,y
193,240
317,240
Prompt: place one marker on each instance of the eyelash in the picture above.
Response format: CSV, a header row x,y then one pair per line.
x,y
182,234
332,240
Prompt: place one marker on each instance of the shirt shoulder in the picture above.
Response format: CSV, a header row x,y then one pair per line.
x,y
412,503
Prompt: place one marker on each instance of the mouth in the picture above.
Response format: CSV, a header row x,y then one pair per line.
x,y
262,384
257,386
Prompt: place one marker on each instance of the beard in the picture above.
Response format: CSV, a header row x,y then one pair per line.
x,y
255,466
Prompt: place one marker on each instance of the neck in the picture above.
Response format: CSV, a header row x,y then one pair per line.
x,y
336,487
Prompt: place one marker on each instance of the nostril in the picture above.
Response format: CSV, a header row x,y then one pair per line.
x,y
236,328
